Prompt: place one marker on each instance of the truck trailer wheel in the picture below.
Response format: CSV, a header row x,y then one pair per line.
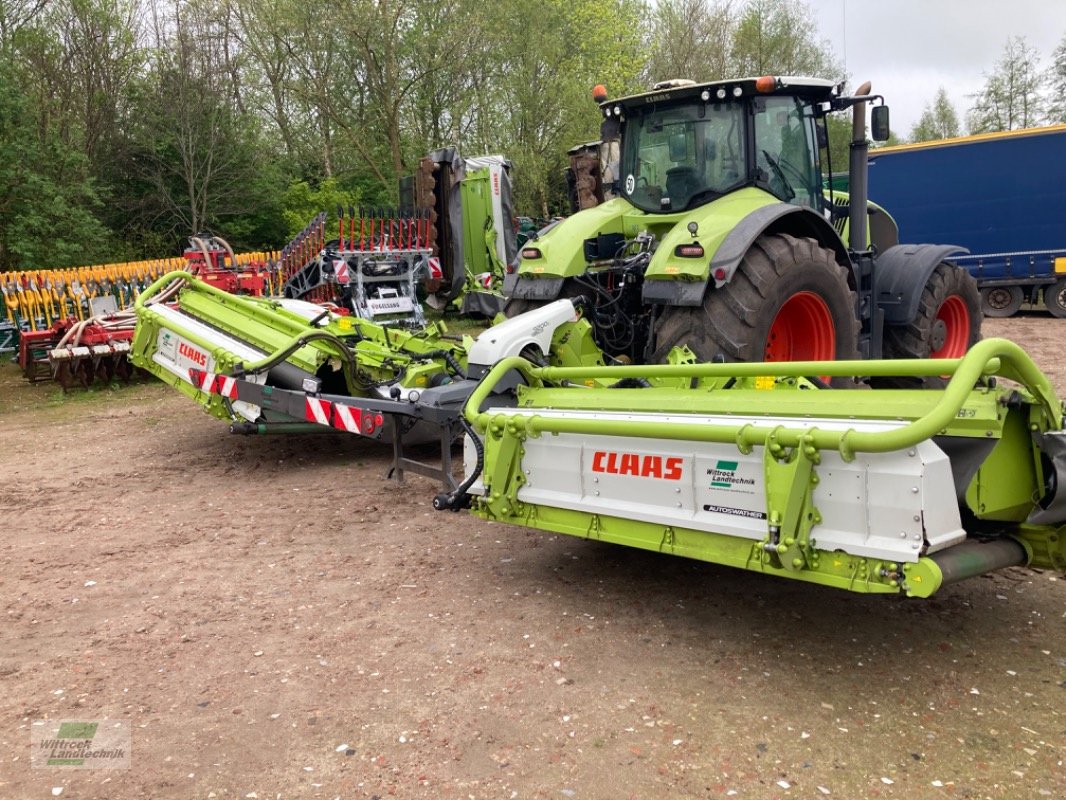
x,y
948,323
1001,301
789,300
1055,298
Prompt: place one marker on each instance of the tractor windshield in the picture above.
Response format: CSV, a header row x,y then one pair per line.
x,y
682,156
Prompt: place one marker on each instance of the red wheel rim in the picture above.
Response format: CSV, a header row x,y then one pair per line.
x,y
955,316
803,330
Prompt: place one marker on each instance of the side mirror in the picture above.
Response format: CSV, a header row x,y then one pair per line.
x,y
879,124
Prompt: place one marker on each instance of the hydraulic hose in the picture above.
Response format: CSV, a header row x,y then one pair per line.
x,y
446,355
196,240
459,498
275,358
229,252
123,320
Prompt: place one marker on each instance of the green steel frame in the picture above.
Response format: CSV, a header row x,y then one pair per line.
x,y
972,405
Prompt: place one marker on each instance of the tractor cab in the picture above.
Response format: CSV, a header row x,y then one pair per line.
x,y
685,145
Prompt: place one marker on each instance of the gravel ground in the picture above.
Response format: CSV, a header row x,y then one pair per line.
x,y
273,619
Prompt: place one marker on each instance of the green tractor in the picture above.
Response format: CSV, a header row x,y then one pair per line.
x,y
720,237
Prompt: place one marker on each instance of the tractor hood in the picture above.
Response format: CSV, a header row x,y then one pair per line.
x,y
560,252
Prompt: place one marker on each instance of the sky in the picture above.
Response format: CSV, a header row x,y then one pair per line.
x,y
909,48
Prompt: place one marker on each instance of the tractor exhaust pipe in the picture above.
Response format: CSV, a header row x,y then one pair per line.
x,y
857,176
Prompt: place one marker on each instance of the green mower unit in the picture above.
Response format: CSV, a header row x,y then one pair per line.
x,y
758,465
719,237
289,366
754,466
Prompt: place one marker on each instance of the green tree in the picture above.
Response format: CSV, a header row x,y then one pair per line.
x,y
16,15
780,37
939,120
1056,80
47,199
537,103
691,39
196,159
1011,97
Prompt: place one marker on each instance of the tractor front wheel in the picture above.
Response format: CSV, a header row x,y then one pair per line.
x,y
948,323
789,300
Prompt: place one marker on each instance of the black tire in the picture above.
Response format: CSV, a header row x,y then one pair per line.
x,y
948,323
513,307
1055,298
735,322
1001,301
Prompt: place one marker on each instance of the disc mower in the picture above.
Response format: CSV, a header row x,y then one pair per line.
x,y
759,466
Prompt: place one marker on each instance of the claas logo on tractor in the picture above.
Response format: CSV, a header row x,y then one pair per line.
x,y
638,465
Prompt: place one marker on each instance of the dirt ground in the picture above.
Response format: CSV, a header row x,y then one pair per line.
x,y
275,620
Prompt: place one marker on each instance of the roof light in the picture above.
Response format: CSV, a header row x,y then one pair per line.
x,y
618,111
737,91
720,94
531,252
767,83
599,92
705,95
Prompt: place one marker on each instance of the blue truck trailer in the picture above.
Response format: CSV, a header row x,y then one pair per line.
x,y
1001,195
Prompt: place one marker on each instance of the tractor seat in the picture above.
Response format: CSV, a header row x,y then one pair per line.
x,y
681,184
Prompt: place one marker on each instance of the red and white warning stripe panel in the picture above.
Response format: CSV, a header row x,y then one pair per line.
x,y
213,383
347,418
340,270
355,420
226,386
317,410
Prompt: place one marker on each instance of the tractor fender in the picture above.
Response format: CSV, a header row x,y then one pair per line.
x,y
901,274
770,218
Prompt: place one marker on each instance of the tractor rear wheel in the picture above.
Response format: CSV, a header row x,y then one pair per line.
x,y
789,300
1055,298
948,323
1001,301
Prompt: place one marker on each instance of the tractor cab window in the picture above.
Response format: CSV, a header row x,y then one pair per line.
x,y
785,144
683,156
